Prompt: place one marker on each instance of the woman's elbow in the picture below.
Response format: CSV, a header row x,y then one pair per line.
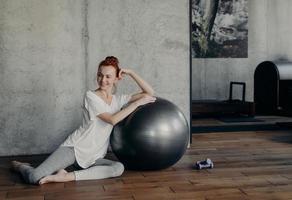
x,y
149,92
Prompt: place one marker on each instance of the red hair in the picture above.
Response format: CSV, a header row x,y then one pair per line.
x,y
110,61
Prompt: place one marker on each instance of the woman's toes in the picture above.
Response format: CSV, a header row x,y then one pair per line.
x,y
15,165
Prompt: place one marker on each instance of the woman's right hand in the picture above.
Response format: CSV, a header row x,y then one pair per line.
x,y
145,100
124,72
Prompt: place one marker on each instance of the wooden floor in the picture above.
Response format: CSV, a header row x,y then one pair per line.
x,y
263,120
248,165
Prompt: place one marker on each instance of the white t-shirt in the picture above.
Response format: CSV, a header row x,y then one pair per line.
x,y
91,139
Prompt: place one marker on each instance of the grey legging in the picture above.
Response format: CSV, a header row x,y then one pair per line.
x,y
64,157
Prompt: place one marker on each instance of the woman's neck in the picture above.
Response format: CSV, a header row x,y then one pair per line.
x,y
105,93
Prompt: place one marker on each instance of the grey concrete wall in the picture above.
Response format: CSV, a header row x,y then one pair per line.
x,y
270,33
49,51
150,37
42,74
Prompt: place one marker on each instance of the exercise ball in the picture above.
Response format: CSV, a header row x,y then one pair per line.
x,y
155,136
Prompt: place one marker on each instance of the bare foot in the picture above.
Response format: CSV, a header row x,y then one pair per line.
x,y
61,176
16,164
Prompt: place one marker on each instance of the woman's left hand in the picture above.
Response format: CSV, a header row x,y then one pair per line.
x,y
124,72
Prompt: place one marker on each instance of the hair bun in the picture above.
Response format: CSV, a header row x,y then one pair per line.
x,y
112,60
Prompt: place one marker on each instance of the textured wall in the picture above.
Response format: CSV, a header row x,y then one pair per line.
x,y
150,37
269,38
42,74
49,51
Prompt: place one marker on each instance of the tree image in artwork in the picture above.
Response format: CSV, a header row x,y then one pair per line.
x,y
219,28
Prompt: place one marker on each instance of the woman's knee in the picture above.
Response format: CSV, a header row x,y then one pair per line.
x,y
118,169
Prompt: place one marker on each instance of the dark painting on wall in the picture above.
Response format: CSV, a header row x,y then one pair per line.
x,y
219,28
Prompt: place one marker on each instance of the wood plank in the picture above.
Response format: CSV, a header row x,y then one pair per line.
x,y
3,194
194,194
41,197
248,165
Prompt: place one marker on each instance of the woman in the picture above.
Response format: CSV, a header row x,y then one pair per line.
x,y
88,145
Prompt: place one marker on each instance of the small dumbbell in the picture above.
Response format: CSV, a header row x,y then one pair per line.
x,y
204,164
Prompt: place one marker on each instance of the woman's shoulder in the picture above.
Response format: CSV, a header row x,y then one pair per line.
x,y
89,94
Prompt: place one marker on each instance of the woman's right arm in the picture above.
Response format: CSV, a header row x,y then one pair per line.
x,y
122,114
144,86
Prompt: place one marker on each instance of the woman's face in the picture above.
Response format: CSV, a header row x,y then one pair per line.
x,y
106,77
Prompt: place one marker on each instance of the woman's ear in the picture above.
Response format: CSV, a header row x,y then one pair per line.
x,y
120,74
